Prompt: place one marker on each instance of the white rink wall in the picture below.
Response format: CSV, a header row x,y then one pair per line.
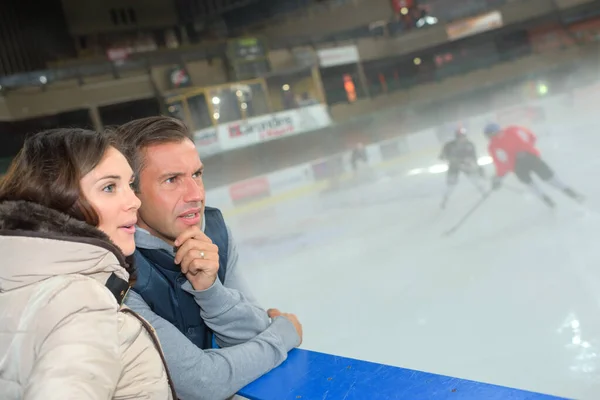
x,y
549,116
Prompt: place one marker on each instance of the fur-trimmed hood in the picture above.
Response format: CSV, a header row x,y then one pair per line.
x,y
37,242
59,313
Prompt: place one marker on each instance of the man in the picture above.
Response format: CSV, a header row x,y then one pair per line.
x,y
358,155
513,150
189,286
461,157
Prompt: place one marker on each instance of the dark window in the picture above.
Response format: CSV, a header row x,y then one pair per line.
x,y
123,16
132,16
199,112
113,16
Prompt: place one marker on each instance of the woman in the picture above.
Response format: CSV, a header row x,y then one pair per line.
x,y
67,219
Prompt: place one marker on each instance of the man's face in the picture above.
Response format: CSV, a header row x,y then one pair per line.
x,y
171,189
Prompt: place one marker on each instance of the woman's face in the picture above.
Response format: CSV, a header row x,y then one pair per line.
x,y
108,190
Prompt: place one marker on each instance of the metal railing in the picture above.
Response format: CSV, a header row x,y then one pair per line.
x,y
79,70
143,62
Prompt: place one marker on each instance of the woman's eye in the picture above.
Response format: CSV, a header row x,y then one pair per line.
x,y
132,185
109,188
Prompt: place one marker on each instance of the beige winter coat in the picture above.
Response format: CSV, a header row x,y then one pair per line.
x,y
63,333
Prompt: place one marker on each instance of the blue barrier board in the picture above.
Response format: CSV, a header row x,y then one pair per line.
x,y
308,375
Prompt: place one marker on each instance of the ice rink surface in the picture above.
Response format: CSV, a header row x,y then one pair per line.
x,y
512,298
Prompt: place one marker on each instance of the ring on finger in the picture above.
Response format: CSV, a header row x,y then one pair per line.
x,y
202,255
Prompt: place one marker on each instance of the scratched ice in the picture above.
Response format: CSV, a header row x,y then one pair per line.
x,y
512,298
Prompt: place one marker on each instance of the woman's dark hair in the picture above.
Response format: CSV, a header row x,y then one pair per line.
x,y
48,171
49,167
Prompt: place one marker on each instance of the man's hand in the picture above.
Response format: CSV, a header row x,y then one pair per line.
x,y
197,257
274,313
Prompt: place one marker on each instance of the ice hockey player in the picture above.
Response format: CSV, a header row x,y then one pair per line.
x,y
461,156
359,155
513,150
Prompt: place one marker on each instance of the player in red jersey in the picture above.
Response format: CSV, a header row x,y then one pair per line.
x,y
513,150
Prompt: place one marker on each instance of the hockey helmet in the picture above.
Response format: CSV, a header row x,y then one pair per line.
x,y
460,132
491,129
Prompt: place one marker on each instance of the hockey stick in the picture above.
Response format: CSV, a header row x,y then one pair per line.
x,y
475,185
504,186
468,214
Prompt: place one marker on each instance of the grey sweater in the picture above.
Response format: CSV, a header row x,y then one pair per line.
x,y
251,344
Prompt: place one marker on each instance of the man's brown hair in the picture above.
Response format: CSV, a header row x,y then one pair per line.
x,y
138,134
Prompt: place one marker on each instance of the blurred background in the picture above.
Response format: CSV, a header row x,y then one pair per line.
x,y
280,93
360,70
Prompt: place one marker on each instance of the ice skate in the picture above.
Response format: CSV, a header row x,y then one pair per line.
x,y
548,201
574,195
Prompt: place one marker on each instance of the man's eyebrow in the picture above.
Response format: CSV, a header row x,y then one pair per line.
x,y
170,175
